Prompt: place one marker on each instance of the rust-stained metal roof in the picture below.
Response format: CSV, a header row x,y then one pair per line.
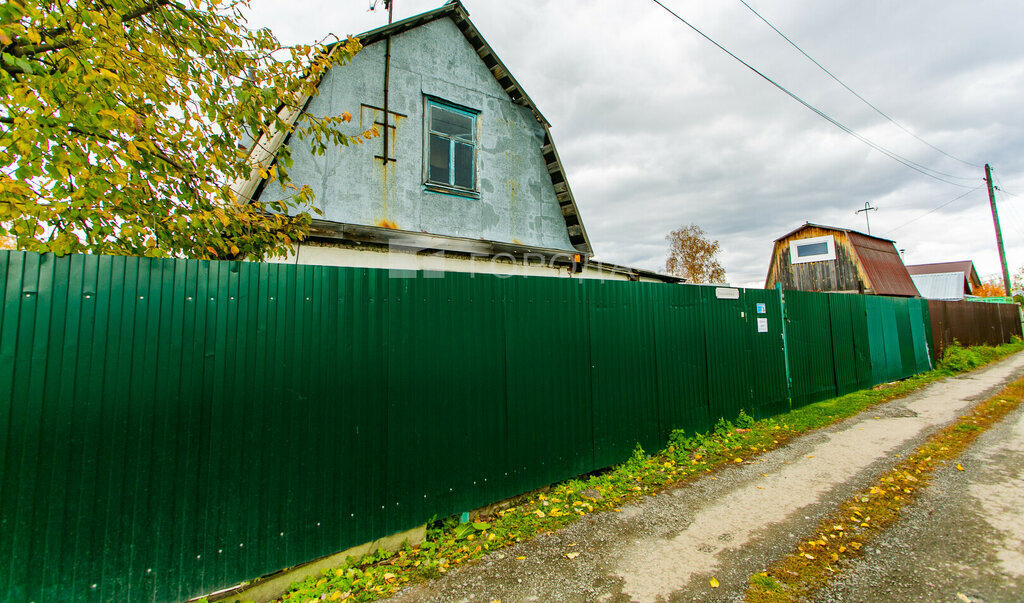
x,y
964,267
883,265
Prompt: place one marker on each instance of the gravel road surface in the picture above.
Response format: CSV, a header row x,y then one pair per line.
x,y
727,526
964,538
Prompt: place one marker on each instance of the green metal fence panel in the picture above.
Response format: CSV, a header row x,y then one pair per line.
x,y
727,338
745,367
173,427
811,358
920,327
682,377
770,392
550,416
851,350
624,393
904,331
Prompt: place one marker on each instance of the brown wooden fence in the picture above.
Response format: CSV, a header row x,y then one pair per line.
x,y
972,323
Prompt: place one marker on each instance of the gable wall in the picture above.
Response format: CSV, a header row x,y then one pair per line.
x,y
841,274
517,203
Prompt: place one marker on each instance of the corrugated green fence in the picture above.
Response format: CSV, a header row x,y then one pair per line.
x,y
172,427
840,343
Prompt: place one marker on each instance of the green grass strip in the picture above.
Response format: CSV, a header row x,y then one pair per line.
x,y
686,458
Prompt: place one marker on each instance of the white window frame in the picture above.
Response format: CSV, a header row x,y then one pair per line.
x,y
830,254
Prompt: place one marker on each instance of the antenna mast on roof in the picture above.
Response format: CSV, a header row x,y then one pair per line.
x,y
867,208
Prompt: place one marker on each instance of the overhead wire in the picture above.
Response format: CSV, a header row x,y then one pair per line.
x,y
1007,207
933,210
854,92
925,170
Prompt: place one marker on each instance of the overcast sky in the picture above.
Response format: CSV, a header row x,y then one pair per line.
x,y
657,128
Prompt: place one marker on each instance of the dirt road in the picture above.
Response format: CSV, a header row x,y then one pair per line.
x,y
964,538
668,547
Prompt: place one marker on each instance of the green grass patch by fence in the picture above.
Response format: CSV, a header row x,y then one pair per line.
x,y
686,458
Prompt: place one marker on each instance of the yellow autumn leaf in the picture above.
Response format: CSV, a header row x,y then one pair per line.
x,y
334,596
714,582
959,467
520,558
321,582
572,555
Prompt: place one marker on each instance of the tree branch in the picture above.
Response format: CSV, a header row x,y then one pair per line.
x,y
24,48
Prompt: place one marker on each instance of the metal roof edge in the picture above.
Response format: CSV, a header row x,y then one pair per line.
x,y
835,228
327,229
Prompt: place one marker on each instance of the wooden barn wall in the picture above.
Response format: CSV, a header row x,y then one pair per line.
x,y
841,274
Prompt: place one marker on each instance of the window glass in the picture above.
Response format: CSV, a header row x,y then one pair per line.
x,y
456,125
451,146
803,251
463,165
437,165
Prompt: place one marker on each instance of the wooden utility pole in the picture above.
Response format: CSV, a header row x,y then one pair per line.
x,y
999,232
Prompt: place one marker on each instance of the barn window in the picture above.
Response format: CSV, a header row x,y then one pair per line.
x,y
817,249
451,134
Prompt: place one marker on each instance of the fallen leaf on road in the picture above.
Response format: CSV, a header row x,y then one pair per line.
x,y
714,582
572,555
959,467
520,558
737,460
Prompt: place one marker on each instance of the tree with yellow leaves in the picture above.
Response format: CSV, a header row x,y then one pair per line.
x,y
120,123
693,256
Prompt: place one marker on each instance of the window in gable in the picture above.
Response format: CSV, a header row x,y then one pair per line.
x,y
451,147
817,249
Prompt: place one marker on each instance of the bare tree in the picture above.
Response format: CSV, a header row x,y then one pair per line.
x,y
692,256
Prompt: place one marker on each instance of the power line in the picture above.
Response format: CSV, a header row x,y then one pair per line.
x,y
931,211
1008,207
853,92
892,155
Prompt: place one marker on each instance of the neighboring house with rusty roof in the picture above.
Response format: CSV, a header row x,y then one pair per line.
x,y
948,281
470,180
825,258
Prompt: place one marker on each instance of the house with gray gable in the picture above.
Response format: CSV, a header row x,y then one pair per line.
x,y
464,176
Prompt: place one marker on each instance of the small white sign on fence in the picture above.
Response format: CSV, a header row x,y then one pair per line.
x,y
762,325
727,293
